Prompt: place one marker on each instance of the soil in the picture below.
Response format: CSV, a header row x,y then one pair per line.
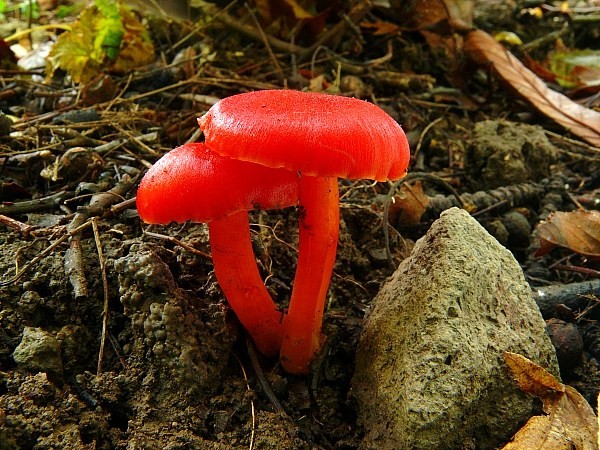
x,y
130,343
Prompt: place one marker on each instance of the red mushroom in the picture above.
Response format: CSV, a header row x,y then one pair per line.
x,y
193,183
322,137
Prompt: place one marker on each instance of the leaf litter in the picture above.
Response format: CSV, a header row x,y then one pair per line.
x,y
569,423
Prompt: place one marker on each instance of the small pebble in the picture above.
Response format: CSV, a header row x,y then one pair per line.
x,y
567,341
39,351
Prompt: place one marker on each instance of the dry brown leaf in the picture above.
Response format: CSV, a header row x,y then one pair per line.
x,y
440,16
299,11
270,10
263,8
581,121
577,230
136,48
381,27
570,422
408,207
443,23
530,377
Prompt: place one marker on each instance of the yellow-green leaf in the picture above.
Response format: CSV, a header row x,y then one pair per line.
x,y
73,51
117,41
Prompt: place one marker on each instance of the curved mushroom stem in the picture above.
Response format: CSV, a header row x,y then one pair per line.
x,y
238,276
319,219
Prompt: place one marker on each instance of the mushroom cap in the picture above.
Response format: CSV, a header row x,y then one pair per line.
x,y
315,134
192,182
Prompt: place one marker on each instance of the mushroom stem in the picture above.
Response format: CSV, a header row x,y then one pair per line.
x,y
238,276
318,235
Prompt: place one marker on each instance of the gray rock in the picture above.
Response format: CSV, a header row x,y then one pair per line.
x,y
429,369
39,351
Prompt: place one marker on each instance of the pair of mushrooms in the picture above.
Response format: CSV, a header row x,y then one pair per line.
x,y
274,149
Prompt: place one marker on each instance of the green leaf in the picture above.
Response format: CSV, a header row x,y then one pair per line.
x,y
137,48
576,68
64,11
73,51
96,42
109,34
30,8
109,9
109,29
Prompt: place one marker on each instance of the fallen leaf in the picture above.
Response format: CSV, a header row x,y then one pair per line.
x,y
577,230
539,69
270,10
508,37
121,42
485,50
530,377
441,16
73,50
576,68
380,28
298,10
263,8
442,23
569,423
136,49
408,207
304,19
108,29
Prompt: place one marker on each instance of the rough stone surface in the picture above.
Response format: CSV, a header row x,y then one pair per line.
x,y
429,368
39,351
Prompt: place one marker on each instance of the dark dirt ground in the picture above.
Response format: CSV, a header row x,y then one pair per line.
x,y
175,370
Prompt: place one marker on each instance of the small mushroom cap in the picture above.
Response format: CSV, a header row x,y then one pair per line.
x,y
192,182
315,134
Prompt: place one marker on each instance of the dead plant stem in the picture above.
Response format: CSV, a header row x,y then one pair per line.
x,y
105,289
44,252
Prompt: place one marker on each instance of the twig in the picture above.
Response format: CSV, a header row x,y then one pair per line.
x,y
575,142
232,23
105,288
29,30
109,146
176,241
351,66
424,133
139,140
253,431
122,206
74,267
21,227
99,203
120,94
267,44
38,205
501,204
118,349
577,269
260,376
574,296
45,252
333,36
545,39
